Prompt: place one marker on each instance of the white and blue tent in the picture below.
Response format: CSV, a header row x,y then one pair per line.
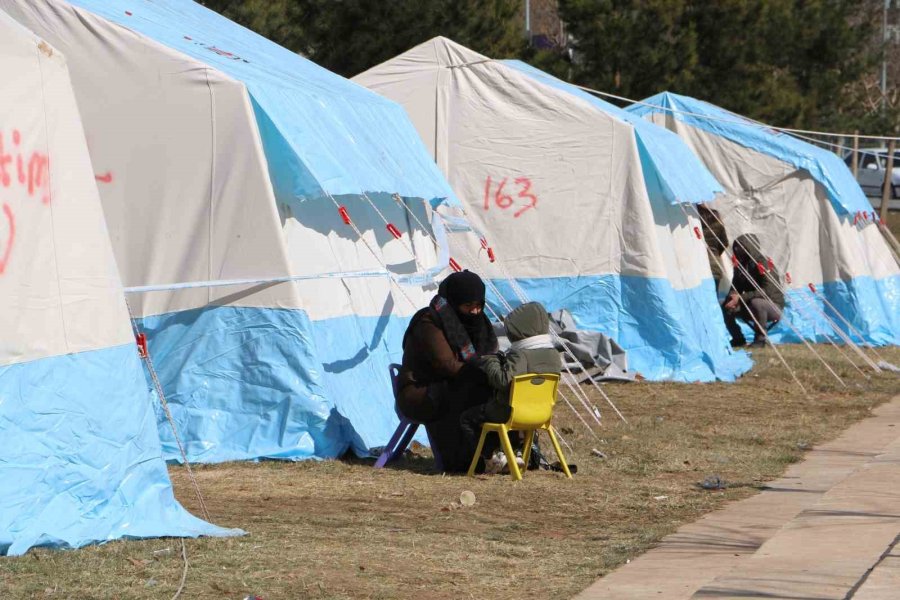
x,y
221,160
80,458
580,202
808,211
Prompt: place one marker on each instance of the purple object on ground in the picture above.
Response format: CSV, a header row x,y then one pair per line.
x,y
404,433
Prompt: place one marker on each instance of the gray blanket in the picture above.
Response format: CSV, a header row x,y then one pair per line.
x,y
598,355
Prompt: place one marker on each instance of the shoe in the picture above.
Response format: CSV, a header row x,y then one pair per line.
x,y
738,342
520,460
759,343
495,464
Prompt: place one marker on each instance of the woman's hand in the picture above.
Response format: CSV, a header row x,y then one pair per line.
x,y
731,303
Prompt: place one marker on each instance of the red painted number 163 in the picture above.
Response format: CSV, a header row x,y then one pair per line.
x,y
504,200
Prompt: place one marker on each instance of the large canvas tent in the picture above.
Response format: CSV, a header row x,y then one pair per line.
x,y
222,157
809,213
581,212
80,459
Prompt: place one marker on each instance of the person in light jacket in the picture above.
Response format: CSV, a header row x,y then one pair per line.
x,y
532,351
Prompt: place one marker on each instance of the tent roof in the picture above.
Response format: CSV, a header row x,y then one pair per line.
x,y
682,176
338,137
825,167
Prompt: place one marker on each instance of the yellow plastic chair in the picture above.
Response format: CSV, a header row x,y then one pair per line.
x,y
531,397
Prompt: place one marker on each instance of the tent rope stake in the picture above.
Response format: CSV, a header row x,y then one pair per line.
x,y
162,399
345,216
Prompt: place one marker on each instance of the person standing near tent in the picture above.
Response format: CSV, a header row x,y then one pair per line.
x,y
439,378
755,297
716,239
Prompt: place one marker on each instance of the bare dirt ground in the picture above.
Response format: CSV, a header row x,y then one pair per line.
x,y
340,529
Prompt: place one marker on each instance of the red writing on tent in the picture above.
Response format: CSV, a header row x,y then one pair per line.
x,y
18,166
7,236
499,195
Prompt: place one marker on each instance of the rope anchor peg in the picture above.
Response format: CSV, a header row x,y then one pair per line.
x,y
392,229
141,341
697,233
490,253
345,216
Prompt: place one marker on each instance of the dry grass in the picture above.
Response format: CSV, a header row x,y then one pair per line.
x,y
341,529
893,222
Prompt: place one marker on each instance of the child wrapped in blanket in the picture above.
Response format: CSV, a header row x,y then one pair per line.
x,y
532,351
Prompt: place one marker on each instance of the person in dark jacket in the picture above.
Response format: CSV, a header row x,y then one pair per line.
x,y
755,296
532,351
439,377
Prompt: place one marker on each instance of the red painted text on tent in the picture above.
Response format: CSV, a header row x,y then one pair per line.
x,y
497,193
24,170
19,167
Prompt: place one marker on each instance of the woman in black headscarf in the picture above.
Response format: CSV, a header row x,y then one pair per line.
x,y
439,378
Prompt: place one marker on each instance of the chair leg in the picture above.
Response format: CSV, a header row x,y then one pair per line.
x,y
398,443
526,453
559,452
474,464
510,454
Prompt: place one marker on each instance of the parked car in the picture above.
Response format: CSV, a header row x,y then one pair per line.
x,y
872,164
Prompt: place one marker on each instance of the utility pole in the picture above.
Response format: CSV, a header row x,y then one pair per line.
x,y
884,41
528,20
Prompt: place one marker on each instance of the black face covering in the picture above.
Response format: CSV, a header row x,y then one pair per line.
x,y
461,288
464,330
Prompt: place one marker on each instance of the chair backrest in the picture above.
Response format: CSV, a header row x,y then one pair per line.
x,y
532,397
394,370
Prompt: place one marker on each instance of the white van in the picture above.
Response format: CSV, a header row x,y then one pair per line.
x,y
872,163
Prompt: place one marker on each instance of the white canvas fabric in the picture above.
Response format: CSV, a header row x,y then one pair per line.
x,y
80,460
789,212
578,165
59,288
186,173
556,185
190,200
178,162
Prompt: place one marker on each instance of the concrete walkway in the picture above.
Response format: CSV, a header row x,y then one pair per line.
x,y
828,529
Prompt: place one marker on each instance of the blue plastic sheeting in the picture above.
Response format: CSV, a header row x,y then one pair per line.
x,y
669,334
355,352
243,383
321,132
871,305
80,458
666,160
825,167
